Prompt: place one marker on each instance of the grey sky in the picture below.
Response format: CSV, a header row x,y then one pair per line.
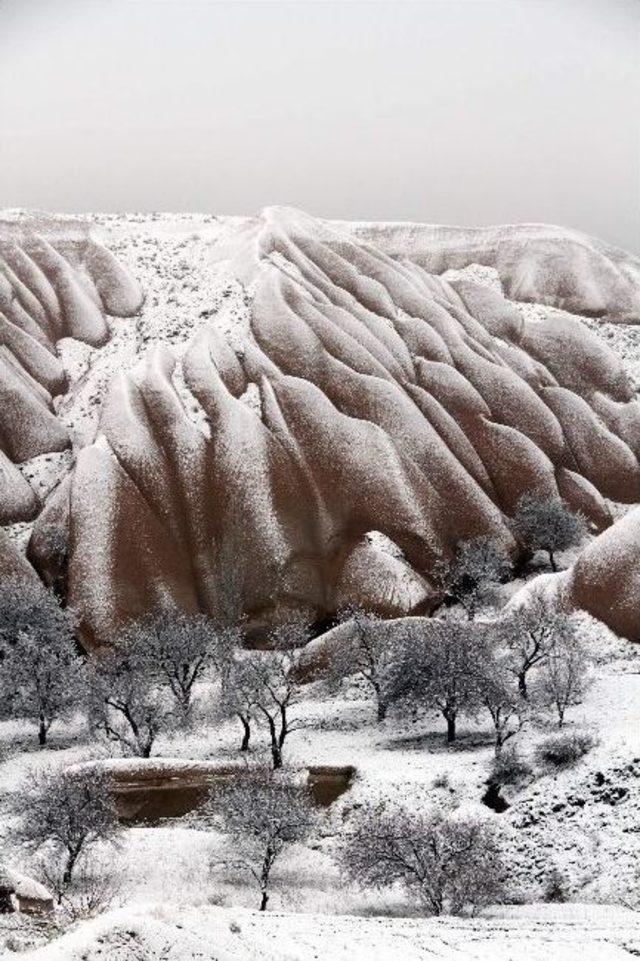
x,y
453,111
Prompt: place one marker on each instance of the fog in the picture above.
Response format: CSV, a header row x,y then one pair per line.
x,y
476,112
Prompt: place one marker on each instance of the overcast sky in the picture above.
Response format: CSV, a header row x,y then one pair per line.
x,y
450,111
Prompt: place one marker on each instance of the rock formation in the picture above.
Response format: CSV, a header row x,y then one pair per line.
x,y
605,579
55,282
537,263
365,394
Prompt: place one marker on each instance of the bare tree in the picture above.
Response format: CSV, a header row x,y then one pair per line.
x,y
91,894
127,703
547,524
239,693
470,577
263,814
503,701
273,686
66,812
370,650
445,672
564,676
90,889
448,862
41,671
532,633
271,683
182,648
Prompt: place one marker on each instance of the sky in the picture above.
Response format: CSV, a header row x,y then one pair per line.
x,y
444,111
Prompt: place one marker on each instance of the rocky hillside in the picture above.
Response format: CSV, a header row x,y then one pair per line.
x,y
298,413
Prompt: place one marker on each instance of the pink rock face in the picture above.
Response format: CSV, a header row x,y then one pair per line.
x,y
385,399
55,282
605,580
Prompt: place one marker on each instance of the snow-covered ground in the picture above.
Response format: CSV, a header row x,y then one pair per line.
x,y
582,822
576,933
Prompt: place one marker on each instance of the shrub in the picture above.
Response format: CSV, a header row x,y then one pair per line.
x,y
547,524
561,750
442,780
555,891
94,888
509,767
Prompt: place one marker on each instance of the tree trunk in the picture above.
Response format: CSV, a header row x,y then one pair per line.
x,y
382,710
246,733
552,561
276,755
276,743
185,711
451,729
42,732
72,857
267,864
284,726
522,684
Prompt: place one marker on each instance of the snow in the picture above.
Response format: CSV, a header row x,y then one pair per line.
x,y
569,819
45,472
171,258
173,899
210,934
401,760
25,887
478,273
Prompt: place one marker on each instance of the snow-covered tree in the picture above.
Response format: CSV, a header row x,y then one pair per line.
x,y
470,576
532,633
66,812
502,700
127,701
41,671
446,861
547,524
239,692
182,648
371,651
273,685
270,683
564,676
262,813
445,672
